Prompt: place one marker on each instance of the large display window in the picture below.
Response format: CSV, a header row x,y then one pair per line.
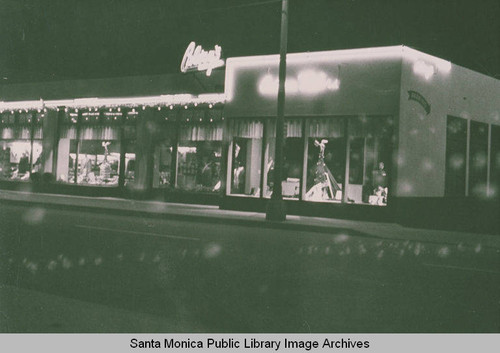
x,y
293,151
245,162
199,157
129,149
317,159
162,163
326,155
456,156
89,154
370,159
20,146
478,159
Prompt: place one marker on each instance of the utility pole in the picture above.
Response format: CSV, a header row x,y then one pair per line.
x,y
276,206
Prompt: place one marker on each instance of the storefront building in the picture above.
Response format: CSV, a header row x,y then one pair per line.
x,y
380,133
388,134
122,142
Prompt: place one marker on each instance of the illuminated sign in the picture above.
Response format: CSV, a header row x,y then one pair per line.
x,y
417,97
423,69
308,82
197,59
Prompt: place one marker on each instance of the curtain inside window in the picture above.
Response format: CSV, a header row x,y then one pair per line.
x,y
99,133
7,133
245,128
201,132
293,128
68,132
24,133
38,133
326,127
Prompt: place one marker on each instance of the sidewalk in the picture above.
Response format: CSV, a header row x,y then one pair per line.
x,y
213,214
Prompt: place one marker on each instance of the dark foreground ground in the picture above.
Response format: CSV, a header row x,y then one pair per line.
x,y
69,270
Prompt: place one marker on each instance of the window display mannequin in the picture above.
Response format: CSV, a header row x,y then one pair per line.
x,y
325,186
105,168
380,189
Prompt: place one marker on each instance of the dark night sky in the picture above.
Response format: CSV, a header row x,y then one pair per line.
x,y
52,39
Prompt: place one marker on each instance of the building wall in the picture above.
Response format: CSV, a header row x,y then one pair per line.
x,y
365,85
474,96
449,90
422,135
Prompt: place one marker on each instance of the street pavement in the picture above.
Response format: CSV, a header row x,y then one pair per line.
x,y
213,213
76,264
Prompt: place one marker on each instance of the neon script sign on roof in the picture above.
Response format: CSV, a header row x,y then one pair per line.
x,y
197,59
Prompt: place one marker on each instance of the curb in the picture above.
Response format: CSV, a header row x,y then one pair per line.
x,y
193,214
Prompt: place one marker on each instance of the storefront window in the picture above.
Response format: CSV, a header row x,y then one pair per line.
x,y
163,157
130,148
478,159
20,153
90,154
325,160
98,160
199,157
456,156
129,141
370,157
293,152
246,157
15,159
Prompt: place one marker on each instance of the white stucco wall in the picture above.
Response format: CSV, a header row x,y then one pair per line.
x,y
368,83
451,90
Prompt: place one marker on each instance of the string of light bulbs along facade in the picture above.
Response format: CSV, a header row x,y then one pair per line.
x,y
375,133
